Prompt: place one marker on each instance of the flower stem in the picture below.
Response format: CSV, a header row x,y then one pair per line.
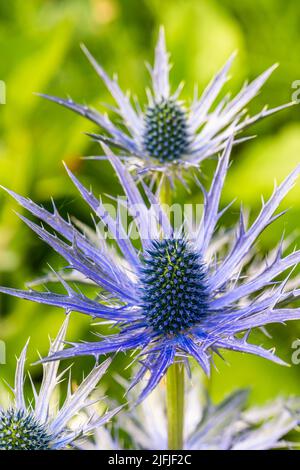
x,y
166,193
175,405
175,373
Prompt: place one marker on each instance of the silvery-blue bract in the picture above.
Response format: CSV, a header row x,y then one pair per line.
x,y
42,424
229,425
177,296
167,136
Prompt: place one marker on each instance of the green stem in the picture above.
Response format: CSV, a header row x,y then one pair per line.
x,y
175,374
175,405
166,193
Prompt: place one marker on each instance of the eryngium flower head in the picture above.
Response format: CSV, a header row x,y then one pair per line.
x,y
166,135
174,293
181,293
20,430
39,425
230,425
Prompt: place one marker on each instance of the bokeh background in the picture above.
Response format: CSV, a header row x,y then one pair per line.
x,y
40,53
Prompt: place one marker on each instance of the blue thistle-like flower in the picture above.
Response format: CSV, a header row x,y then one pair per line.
x,y
230,425
40,425
167,136
180,295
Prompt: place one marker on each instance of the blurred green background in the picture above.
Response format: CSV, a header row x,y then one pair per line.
x,y
40,53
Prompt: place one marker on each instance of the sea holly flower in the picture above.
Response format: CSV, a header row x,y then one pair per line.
x,y
41,424
230,425
166,135
183,293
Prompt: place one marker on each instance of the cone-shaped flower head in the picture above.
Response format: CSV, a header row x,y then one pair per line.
x,y
166,135
184,292
41,425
